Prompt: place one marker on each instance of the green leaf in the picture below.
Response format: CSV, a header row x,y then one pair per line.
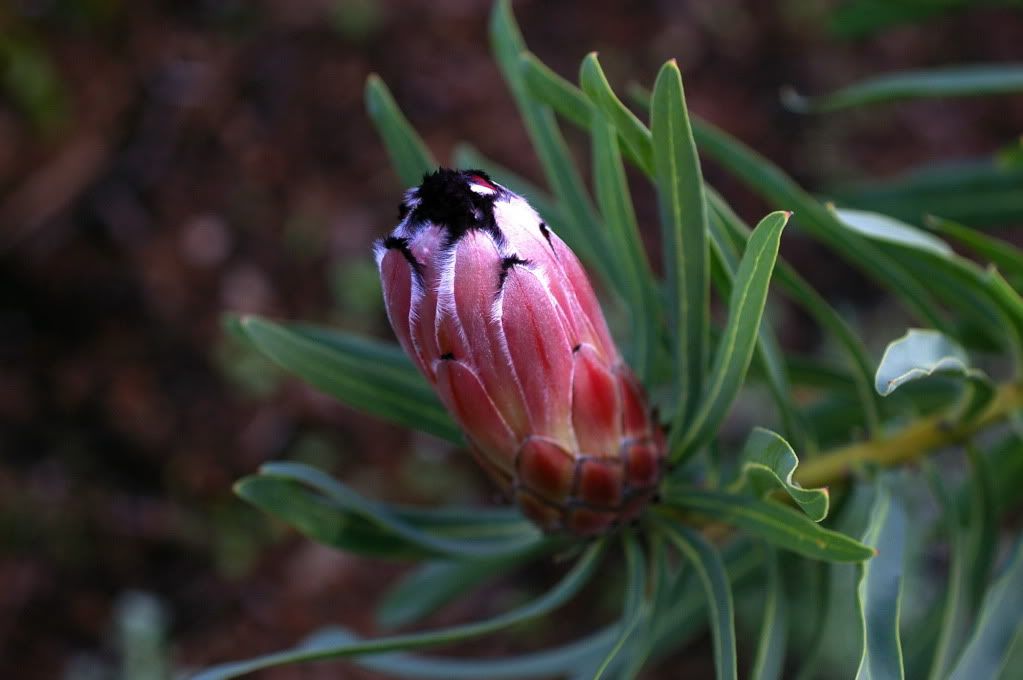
x,y
883,228
472,534
998,625
768,463
552,662
409,155
369,375
972,80
434,584
1001,253
634,609
980,193
770,182
921,353
735,348
801,292
880,589
333,648
726,247
683,213
769,661
616,207
556,92
956,608
707,563
775,523
635,135
581,226
323,521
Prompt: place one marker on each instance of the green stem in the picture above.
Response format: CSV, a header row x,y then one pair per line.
x,y
911,442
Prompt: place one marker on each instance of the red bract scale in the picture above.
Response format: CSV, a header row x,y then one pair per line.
x,y
498,314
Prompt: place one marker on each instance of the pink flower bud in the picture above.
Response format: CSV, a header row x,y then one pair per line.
x,y
498,314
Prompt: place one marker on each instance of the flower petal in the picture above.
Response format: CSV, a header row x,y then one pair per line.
x,y
595,404
540,353
462,392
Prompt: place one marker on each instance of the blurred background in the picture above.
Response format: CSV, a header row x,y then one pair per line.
x,y
164,162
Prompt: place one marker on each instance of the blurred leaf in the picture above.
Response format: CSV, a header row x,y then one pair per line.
x,y
777,524
333,648
971,80
31,80
434,584
860,18
635,135
706,561
979,193
466,533
581,227
1001,253
767,464
769,661
982,536
880,589
735,349
921,353
634,609
883,228
555,661
366,374
998,625
683,214
322,520
615,203
467,156
409,155
770,182
837,643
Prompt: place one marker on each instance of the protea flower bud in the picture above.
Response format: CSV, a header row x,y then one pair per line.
x,y
498,314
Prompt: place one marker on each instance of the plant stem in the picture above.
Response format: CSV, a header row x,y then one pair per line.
x,y
907,444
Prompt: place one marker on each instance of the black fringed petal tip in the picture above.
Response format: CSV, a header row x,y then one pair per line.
x,y
447,198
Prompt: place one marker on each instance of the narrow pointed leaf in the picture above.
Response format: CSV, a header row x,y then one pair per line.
x,y
581,227
767,355
972,80
374,377
769,661
615,204
1001,253
333,648
735,348
552,662
633,608
980,193
768,463
801,292
998,625
777,524
884,228
635,135
409,155
706,561
474,535
880,590
435,584
683,213
770,182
